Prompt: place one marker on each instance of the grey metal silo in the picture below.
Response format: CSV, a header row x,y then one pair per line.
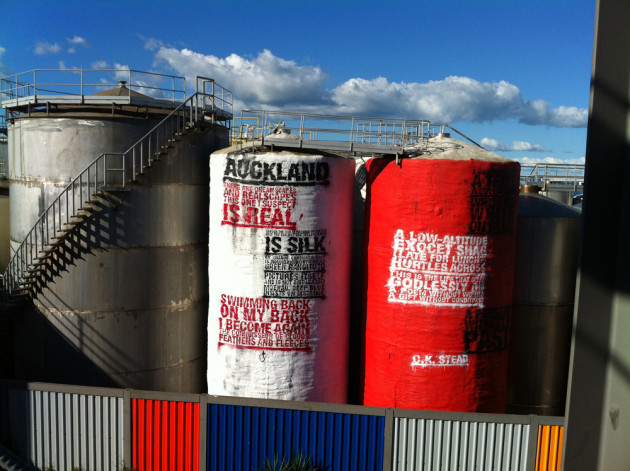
x,y
109,225
548,234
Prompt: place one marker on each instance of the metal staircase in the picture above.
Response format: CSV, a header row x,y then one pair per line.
x,y
102,182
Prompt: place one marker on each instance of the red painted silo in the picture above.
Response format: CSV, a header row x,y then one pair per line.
x,y
440,245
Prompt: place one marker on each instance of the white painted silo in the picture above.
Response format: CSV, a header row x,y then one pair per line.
x,y
279,271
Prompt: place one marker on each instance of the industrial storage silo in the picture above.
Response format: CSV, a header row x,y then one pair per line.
x,y
123,299
6,318
440,254
542,312
4,195
279,268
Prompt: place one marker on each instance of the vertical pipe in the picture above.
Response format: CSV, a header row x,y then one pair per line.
x,y
141,157
89,182
123,158
35,244
67,192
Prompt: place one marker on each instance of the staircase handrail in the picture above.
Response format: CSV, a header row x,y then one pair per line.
x,y
133,159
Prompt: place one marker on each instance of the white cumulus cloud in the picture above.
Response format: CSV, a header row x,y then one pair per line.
x,y
263,80
151,44
44,47
76,41
272,82
523,146
100,65
540,112
450,100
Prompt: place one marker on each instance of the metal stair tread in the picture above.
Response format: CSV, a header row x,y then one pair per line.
x,y
60,234
114,189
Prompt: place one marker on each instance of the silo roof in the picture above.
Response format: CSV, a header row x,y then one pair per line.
x,y
445,147
121,90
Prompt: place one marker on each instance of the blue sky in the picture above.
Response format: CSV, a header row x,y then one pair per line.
x,y
512,75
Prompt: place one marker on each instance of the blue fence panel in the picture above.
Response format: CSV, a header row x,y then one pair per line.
x,y
241,438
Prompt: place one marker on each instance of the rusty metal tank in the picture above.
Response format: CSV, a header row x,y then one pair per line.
x,y
548,234
126,303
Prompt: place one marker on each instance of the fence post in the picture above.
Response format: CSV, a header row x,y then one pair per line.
x,y
127,434
388,440
203,431
532,442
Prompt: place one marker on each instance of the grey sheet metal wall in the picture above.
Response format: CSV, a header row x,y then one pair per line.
x,y
432,443
67,428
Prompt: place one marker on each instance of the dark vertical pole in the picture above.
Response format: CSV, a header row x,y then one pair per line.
x,y
203,431
388,444
532,443
598,422
127,434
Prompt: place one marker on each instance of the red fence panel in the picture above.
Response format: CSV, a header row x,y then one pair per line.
x,y
165,435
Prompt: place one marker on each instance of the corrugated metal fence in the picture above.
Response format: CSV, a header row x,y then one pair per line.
x,y
73,427
242,437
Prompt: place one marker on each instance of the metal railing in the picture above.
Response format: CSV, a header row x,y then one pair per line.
x,y
363,131
244,128
108,171
85,82
550,175
214,96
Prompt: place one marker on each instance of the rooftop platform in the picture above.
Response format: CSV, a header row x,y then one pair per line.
x,y
120,92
